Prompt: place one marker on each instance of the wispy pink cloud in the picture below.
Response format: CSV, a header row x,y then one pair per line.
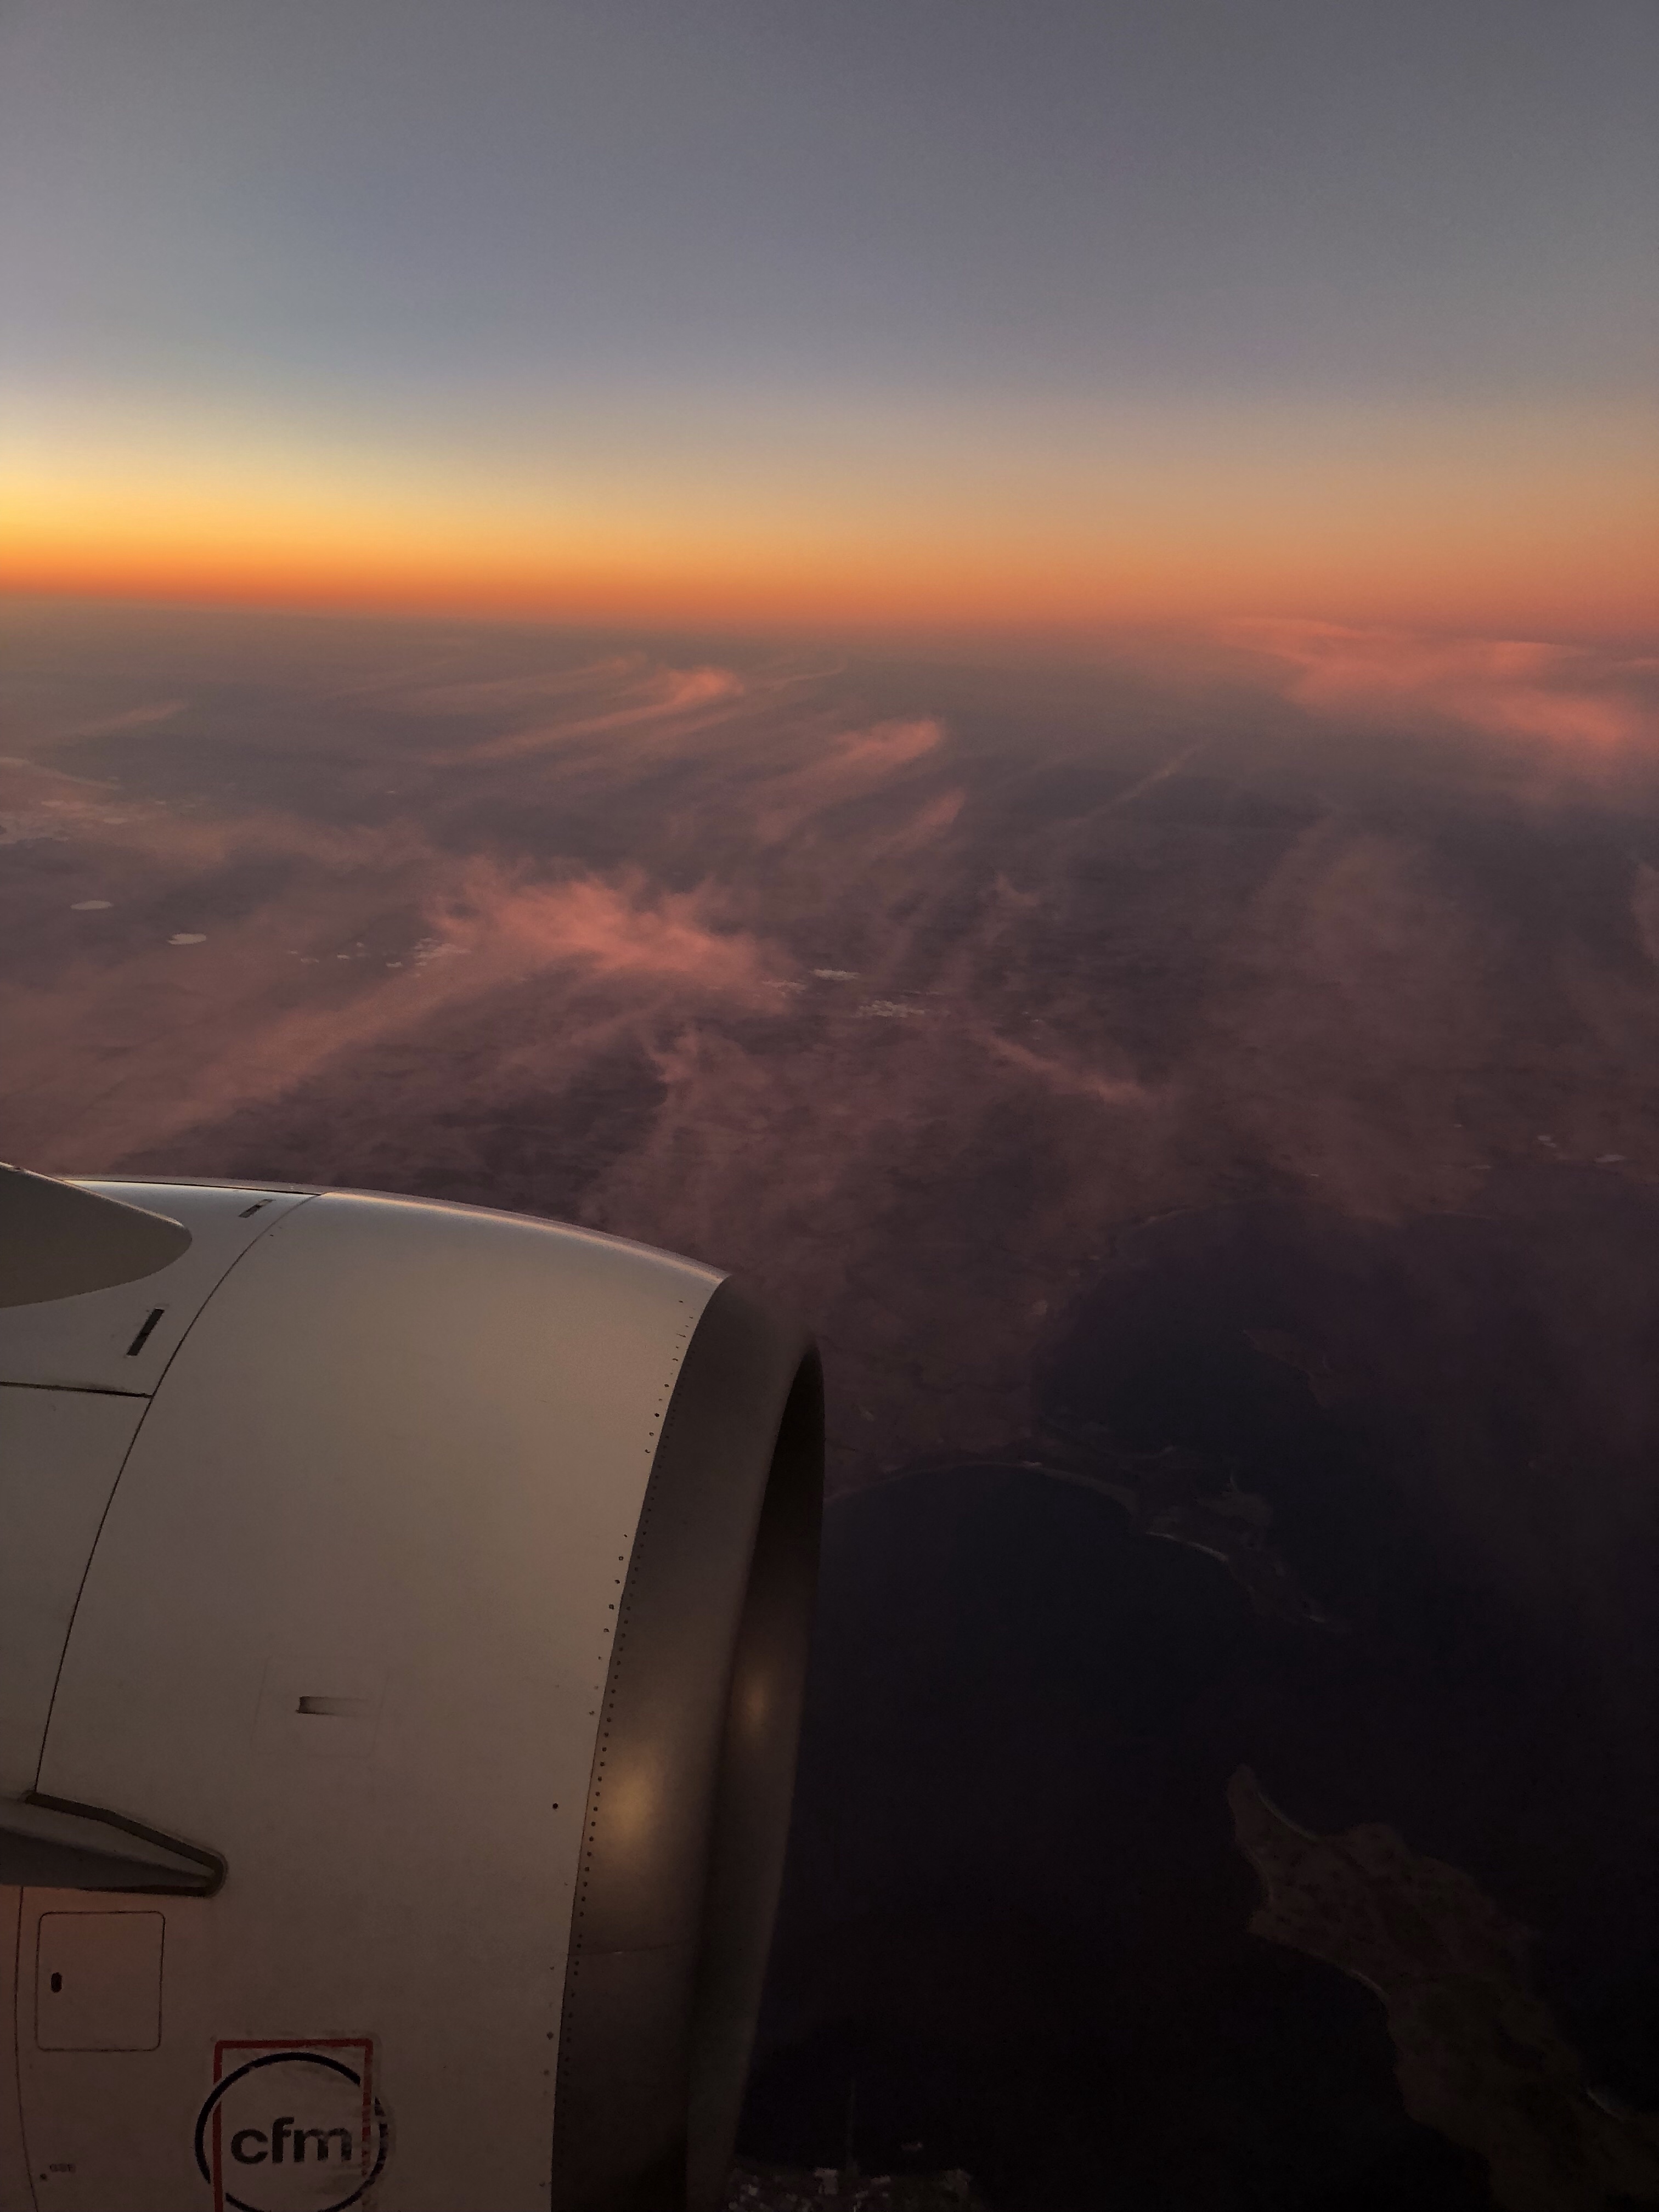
x,y
176,1038
1511,688
133,718
1067,1077
677,696
613,928
97,813
477,695
876,750
930,821
855,761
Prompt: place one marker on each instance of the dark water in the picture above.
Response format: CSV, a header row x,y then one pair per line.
x,y
1476,1497
1015,1916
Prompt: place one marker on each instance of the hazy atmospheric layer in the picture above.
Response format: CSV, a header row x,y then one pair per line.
x,y
902,983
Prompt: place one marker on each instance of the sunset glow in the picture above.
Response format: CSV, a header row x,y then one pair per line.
x,y
1062,517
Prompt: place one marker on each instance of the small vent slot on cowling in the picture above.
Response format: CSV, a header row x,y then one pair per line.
x,y
143,1337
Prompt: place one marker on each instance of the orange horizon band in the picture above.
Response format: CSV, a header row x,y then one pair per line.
x,y
1591,598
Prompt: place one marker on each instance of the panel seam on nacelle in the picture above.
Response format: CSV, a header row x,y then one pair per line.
x,y
84,1389
15,2040
149,1398
258,1237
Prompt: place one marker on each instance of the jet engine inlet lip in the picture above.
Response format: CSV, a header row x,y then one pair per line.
x,y
688,1808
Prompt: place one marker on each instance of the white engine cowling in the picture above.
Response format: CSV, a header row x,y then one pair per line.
x,y
404,1612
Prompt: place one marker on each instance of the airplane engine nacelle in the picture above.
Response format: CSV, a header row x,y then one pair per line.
x,y
404,1612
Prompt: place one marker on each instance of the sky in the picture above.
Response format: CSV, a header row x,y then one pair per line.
x,y
923,312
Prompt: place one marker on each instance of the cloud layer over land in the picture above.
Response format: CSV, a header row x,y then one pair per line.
x,y
899,984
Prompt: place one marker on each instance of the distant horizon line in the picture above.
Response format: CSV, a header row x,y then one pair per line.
x,y
1218,621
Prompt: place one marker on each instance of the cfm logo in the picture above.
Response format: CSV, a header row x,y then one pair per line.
x,y
291,2126
253,2146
